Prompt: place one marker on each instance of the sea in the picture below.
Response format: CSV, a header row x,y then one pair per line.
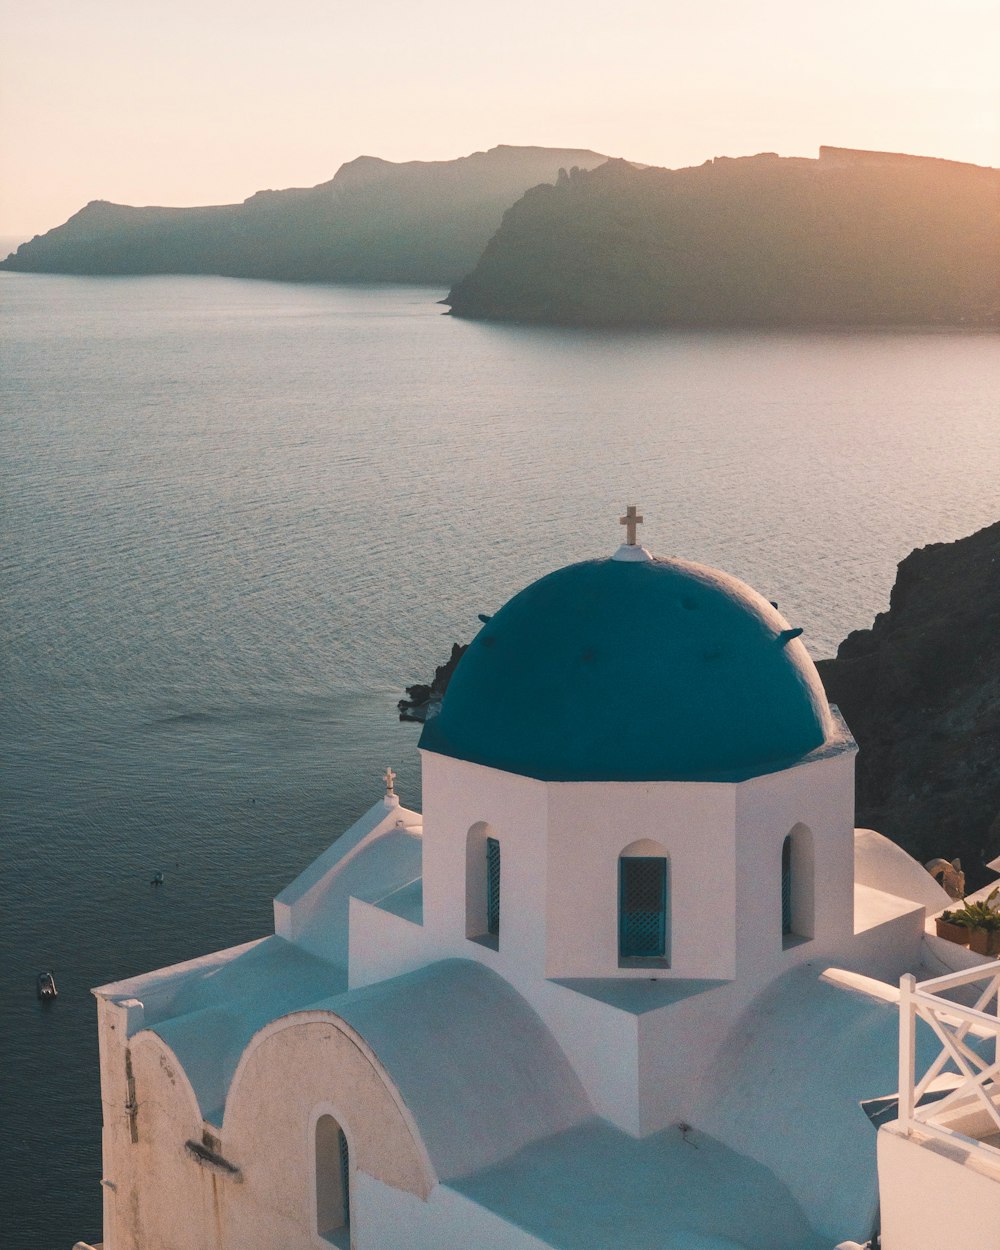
x,y
239,517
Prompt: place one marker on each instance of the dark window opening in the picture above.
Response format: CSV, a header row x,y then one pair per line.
x,y
333,1183
493,887
786,887
642,907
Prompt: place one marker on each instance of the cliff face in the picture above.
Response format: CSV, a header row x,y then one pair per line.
x,y
375,221
921,693
849,239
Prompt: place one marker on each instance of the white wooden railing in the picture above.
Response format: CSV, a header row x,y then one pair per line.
x,y
967,1078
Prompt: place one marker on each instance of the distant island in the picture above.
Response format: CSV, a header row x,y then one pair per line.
x,y
920,691
853,238
375,221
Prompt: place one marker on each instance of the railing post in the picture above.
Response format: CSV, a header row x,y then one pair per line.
x,y
907,1050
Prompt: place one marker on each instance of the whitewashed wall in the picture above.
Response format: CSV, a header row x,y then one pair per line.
x,y
934,1198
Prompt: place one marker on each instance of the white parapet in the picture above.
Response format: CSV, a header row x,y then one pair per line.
x,y
939,1162
962,1009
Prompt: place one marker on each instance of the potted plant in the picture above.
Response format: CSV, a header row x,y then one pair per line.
x,y
982,922
984,936
951,929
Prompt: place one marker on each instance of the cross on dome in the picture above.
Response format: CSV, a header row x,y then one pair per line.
x,y
389,778
631,519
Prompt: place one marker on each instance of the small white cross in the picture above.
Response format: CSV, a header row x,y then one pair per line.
x,y
389,778
631,520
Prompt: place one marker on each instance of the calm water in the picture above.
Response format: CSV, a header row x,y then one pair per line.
x,y
239,517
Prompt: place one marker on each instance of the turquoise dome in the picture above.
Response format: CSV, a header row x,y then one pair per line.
x,y
636,669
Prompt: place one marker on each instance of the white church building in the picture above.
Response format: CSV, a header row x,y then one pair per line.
x,y
625,982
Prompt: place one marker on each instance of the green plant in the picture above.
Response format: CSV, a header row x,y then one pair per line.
x,y
980,915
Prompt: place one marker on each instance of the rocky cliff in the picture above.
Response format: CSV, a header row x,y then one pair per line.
x,y
422,701
921,693
375,221
853,238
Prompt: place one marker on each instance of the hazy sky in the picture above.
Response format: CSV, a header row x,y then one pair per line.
x,y
207,101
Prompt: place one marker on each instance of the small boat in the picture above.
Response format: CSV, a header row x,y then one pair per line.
x,y
45,984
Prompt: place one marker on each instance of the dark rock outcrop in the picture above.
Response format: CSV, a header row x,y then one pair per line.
x,y
375,221
854,238
921,693
423,701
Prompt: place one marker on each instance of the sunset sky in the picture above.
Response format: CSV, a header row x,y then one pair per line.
x,y
184,102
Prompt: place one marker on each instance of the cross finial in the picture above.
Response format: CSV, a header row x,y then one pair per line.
x,y
631,519
389,778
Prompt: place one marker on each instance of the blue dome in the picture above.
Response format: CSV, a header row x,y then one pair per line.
x,y
642,669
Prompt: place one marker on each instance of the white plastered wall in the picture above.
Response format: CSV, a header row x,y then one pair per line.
x,y
589,826
814,802
163,1196
934,1195
560,844
157,1196
678,1046
383,945
121,1172
588,1031
302,912
457,796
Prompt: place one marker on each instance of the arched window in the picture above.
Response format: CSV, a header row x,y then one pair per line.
x,y
493,888
786,886
482,885
644,904
797,901
333,1182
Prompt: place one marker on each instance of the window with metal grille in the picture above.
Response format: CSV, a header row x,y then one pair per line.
x,y
345,1176
642,907
493,887
786,886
